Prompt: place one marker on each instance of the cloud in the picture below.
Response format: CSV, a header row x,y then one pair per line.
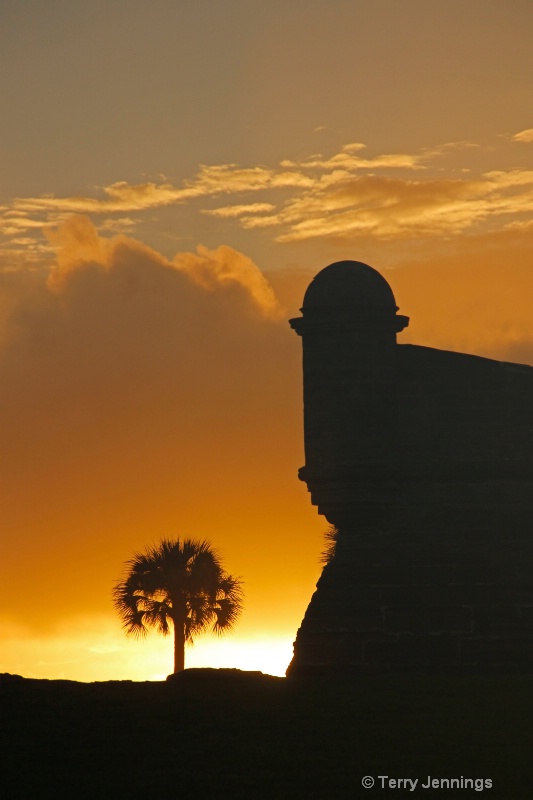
x,y
239,211
77,244
348,160
231,179
524,136
371,206
354,147
344,197
17,221
346,200
225,266
345,207
117,225
118,198
36,213
122,197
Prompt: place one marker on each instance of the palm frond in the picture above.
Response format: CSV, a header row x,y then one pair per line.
x,y
331,537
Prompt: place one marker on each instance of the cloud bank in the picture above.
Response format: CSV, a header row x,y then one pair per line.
x,y
145,397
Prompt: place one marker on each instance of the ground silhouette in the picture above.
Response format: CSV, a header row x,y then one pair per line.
x,y
247,736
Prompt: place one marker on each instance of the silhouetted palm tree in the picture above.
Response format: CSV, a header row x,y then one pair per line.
x,y
179,584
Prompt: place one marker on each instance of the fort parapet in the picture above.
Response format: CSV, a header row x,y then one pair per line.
x,y
423,461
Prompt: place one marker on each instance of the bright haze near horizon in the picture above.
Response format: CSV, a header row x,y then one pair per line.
x,y
173,175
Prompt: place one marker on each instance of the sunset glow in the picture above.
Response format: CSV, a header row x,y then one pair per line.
x,y
98,649
161,215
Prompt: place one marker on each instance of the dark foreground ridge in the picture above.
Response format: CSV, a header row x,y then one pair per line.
x,y
231,734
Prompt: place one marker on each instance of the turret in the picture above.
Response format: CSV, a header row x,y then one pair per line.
x,y
348,327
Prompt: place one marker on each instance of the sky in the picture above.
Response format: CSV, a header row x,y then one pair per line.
x,y
172,177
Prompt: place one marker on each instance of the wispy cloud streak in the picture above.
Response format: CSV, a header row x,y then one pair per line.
x,y
345,196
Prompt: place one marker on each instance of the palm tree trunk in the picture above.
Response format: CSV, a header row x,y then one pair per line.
x,y
179,647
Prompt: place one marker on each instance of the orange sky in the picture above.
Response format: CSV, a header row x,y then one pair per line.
x,y
149,382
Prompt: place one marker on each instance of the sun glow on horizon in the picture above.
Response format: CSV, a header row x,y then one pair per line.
x,y
98,651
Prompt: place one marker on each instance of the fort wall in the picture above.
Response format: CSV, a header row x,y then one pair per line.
x,y
423,461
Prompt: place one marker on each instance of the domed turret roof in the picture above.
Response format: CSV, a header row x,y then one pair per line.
x,y
349,284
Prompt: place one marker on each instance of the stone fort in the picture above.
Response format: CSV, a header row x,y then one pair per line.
x,y
422,459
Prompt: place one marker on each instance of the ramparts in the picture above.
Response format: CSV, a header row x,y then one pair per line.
x,y
423,461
